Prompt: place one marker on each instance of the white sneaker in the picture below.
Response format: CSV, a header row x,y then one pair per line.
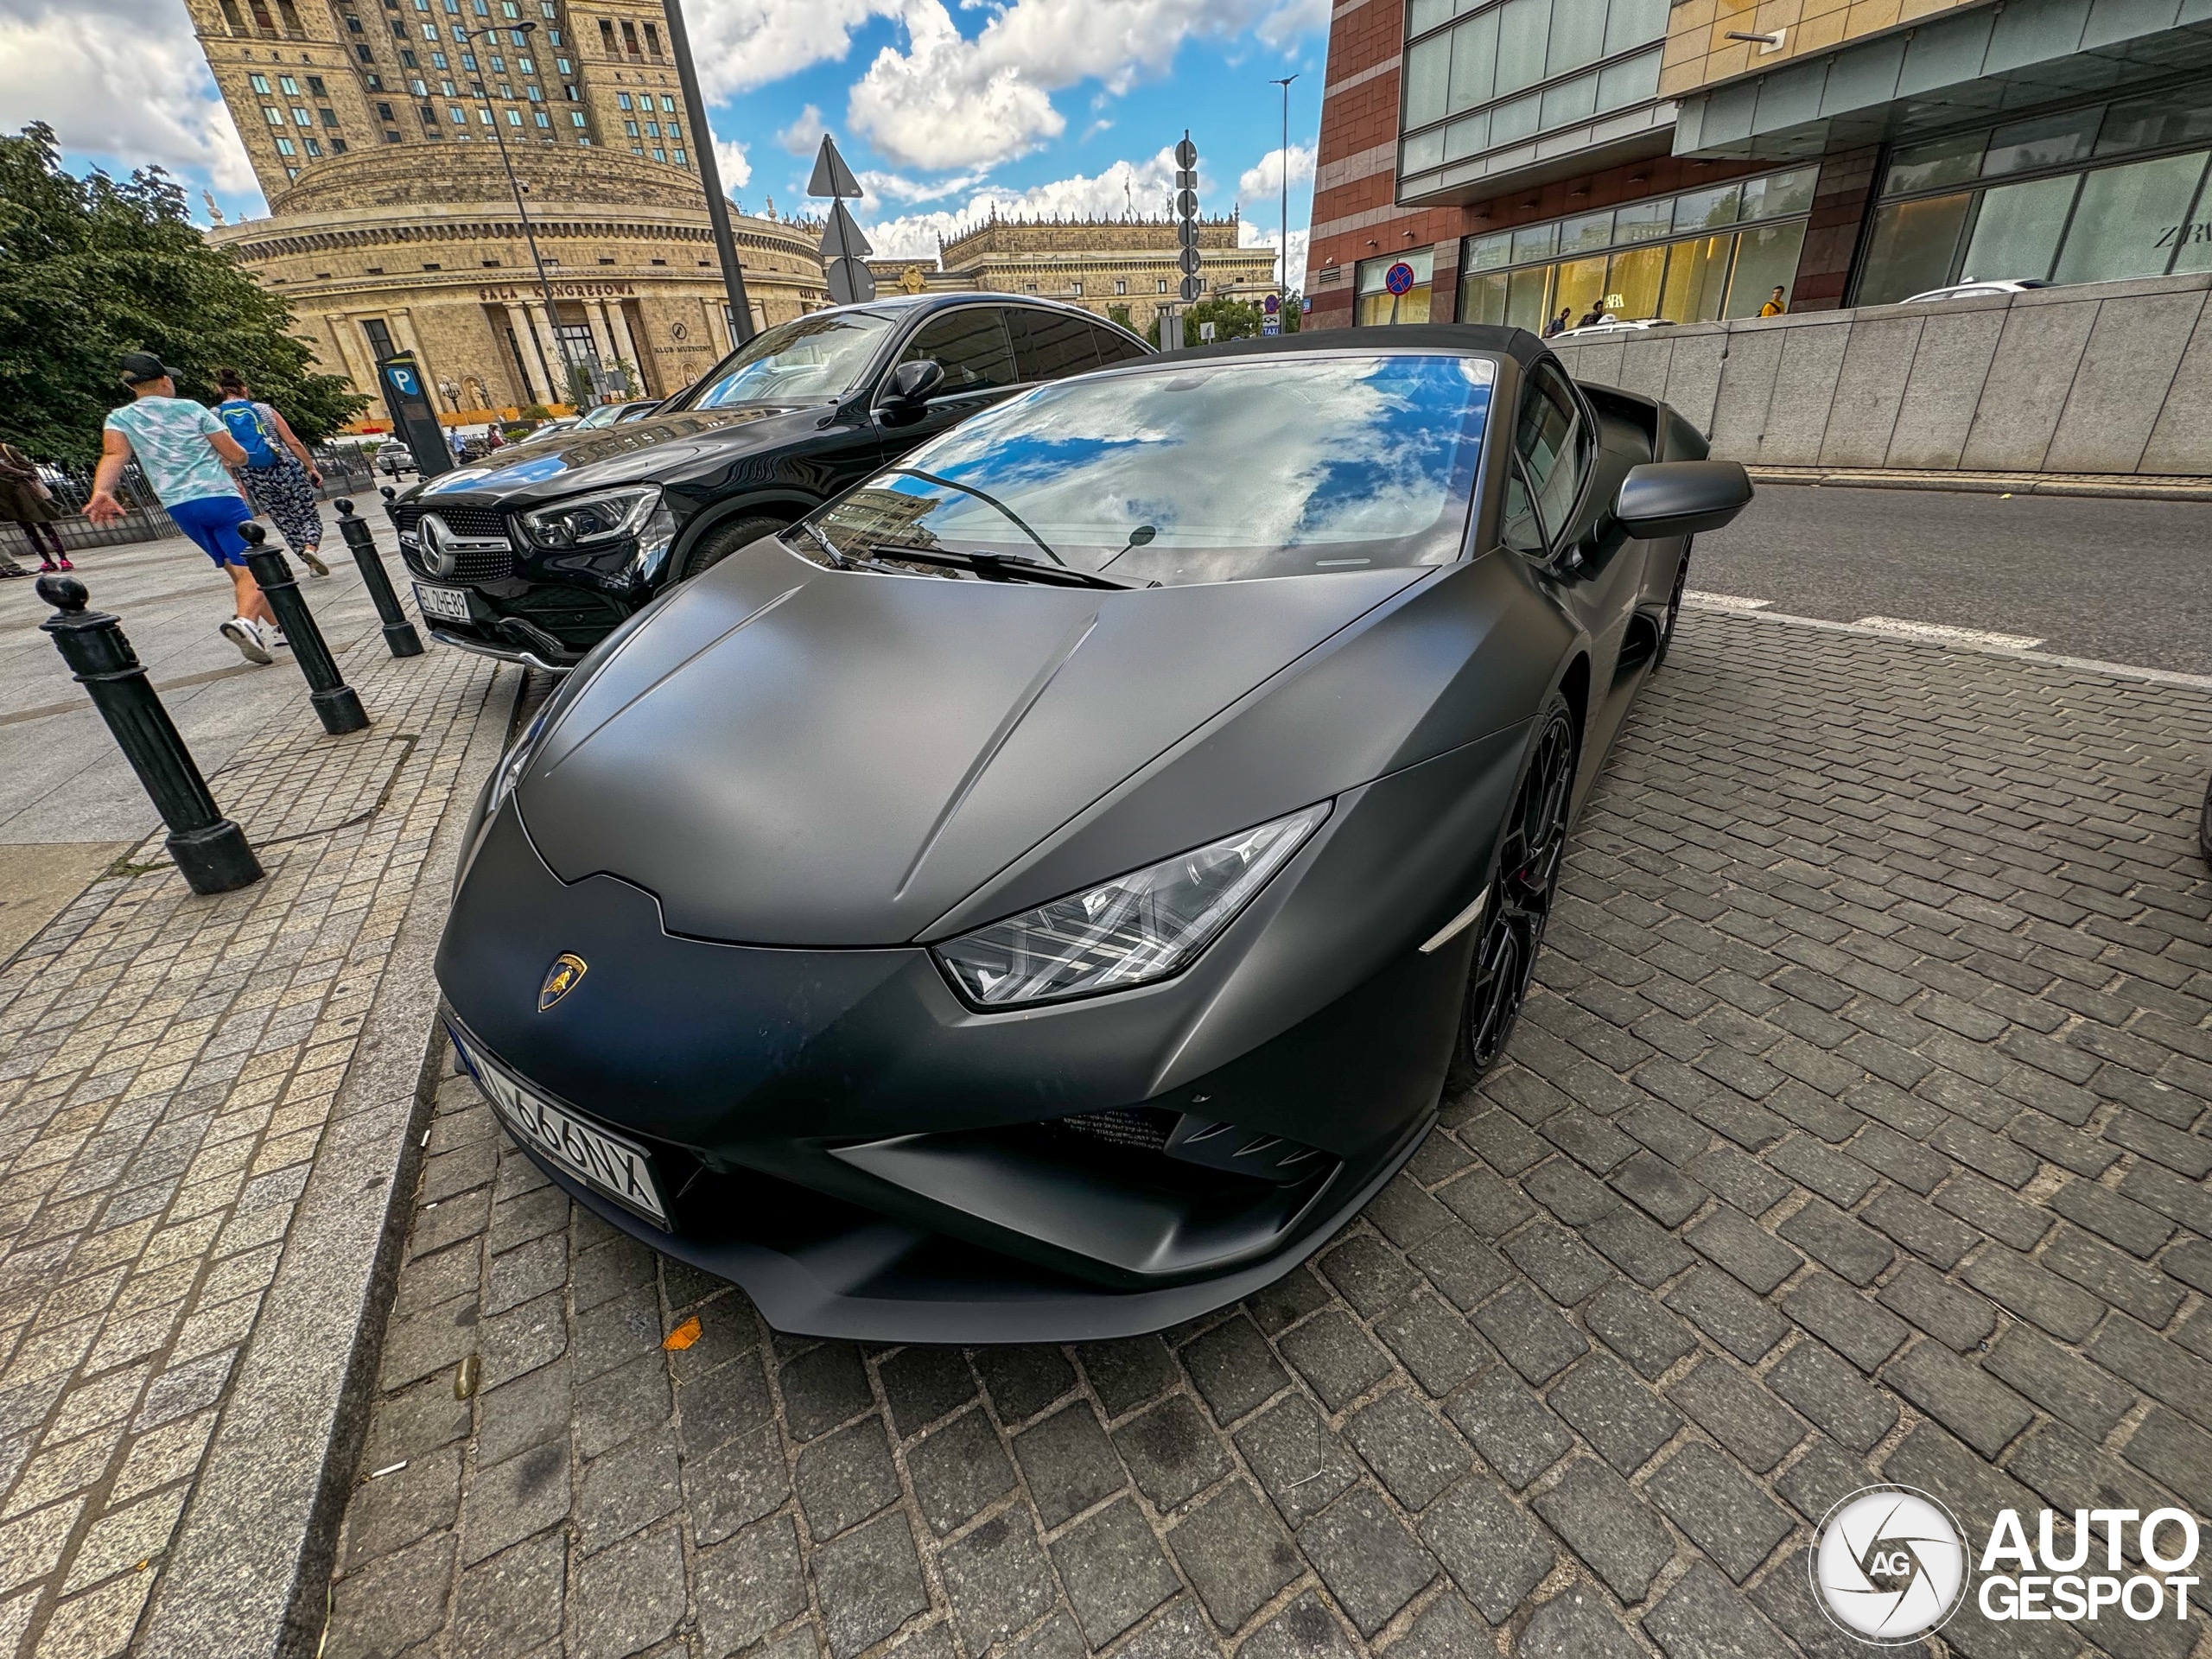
x,y
242,634
313,560
272,635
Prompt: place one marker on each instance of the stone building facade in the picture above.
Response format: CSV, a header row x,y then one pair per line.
x,y
371,125
374,255
1097,263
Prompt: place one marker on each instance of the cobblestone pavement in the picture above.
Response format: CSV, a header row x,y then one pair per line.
x,y
169,1070
1858,1132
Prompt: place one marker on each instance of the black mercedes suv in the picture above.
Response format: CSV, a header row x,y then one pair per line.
x,y
537,553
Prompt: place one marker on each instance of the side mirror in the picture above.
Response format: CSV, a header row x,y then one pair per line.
x,y
911,385
1680,497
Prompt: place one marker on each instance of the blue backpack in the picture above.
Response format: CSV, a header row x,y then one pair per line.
x,y
252,433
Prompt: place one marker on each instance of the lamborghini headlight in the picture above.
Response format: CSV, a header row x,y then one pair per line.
x,y
590,520
1131,931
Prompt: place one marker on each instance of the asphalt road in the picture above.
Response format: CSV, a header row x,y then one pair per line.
x,y
2122,581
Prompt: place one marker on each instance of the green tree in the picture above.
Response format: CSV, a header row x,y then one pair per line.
x,y
1231,319
93,268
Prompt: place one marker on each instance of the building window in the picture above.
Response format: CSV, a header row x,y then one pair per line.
x,y
330,117
2033,216
315,86
1692,257
407,59
652,129
1513,70
391,138
291,87
621,100
514,117
1162,288
366,56
460,116
679,157
274,116
563,66
438,61
313,147
383,111
606,36
1376,304
259,83
1077,289
285,147
576,117
524,66
543,120
630,129
630,37
338,146
660,155
653,39
1121,285
536,94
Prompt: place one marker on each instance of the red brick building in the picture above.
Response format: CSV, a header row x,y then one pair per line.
x,y
1509,161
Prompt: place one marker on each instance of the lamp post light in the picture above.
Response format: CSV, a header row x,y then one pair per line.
x,y
1284,82
545,283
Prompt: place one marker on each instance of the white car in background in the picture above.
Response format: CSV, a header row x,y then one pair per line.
x,y
1976,290
1607,326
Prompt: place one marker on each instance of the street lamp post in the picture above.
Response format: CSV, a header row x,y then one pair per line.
x,y
529,235
1283,281
710,173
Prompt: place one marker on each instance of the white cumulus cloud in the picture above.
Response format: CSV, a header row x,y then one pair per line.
x,y
803,136
742,44
122,78
1248,237
1263,183
736,167
1141,186
950,101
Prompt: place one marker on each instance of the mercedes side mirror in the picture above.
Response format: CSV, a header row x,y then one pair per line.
x,y
1662,500
909,387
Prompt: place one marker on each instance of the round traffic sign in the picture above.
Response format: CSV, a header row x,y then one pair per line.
x,y
1186,154
1186,203
1272,304
1193,289
1187,262
1399,279
1186,233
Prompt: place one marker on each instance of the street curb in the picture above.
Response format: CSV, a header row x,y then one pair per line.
x,y
2132,489
2044,659
248,1572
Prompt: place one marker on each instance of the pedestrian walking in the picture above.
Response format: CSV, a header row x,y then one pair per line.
x,y
25,499
1775,306
186,454
280,476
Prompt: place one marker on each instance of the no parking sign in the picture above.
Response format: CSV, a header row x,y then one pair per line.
x,y
1399,279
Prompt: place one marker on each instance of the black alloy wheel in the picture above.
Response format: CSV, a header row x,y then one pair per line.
x,y
1673,610
723,540
1532,844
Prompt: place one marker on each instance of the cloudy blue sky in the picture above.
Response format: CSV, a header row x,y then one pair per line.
x,y
945,107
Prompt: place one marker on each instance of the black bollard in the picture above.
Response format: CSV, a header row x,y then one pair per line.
x,y
398,633
207,847
334,701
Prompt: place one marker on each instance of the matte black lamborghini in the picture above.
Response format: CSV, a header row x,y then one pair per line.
x,y
1040,894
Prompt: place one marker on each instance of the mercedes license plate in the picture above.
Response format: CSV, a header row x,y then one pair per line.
x,y
447,604
606,1163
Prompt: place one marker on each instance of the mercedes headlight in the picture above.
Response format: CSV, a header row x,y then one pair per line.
x,y
589,520
1131,931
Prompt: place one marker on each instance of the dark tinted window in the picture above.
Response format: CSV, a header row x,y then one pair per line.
x,y
971,344
1518,527
1548,435
1048,346
1114,347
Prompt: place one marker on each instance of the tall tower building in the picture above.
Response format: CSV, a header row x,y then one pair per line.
x,y
373,127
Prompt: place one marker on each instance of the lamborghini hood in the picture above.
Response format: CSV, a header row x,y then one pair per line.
x,y
788,755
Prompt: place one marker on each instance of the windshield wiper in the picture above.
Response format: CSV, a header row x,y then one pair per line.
x,y
1001,567
991,501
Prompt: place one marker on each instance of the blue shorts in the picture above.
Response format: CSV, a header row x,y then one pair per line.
x,y
212,523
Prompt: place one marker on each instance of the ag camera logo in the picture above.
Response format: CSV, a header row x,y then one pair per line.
x,y
1890,1565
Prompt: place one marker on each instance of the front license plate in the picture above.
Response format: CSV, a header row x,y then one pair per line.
x,y
447,604
606,1162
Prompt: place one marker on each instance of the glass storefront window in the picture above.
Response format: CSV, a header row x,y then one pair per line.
x,y
2016,233
2048,141
1912,248
2124,224
2156,123
1766,258
1697,279
1474,62
1579,286
1378,305
1524,302
1645,221
1488,253
1703,209
1534,242
1779,194
1947,161
1581,235
1634,281
1428,77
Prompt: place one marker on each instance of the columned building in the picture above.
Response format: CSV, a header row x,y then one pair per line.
x,y
375,128
1526,158
1125,266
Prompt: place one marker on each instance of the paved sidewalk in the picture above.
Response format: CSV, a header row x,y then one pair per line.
x,y
1858,1132
203,1103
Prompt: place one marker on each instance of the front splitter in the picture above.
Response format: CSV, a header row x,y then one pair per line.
x,y
882,1280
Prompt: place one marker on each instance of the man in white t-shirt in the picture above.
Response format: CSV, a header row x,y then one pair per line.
x,y
182,448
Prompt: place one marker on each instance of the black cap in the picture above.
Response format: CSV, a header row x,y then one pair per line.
x,y
139,367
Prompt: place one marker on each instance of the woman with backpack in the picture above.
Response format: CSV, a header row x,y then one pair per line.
x,y
279,475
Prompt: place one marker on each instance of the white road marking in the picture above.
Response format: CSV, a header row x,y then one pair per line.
x,y
2047,659
1723,601
1950,635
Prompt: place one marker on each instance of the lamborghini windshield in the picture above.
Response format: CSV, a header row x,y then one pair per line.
x,y
811,359
1212,471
